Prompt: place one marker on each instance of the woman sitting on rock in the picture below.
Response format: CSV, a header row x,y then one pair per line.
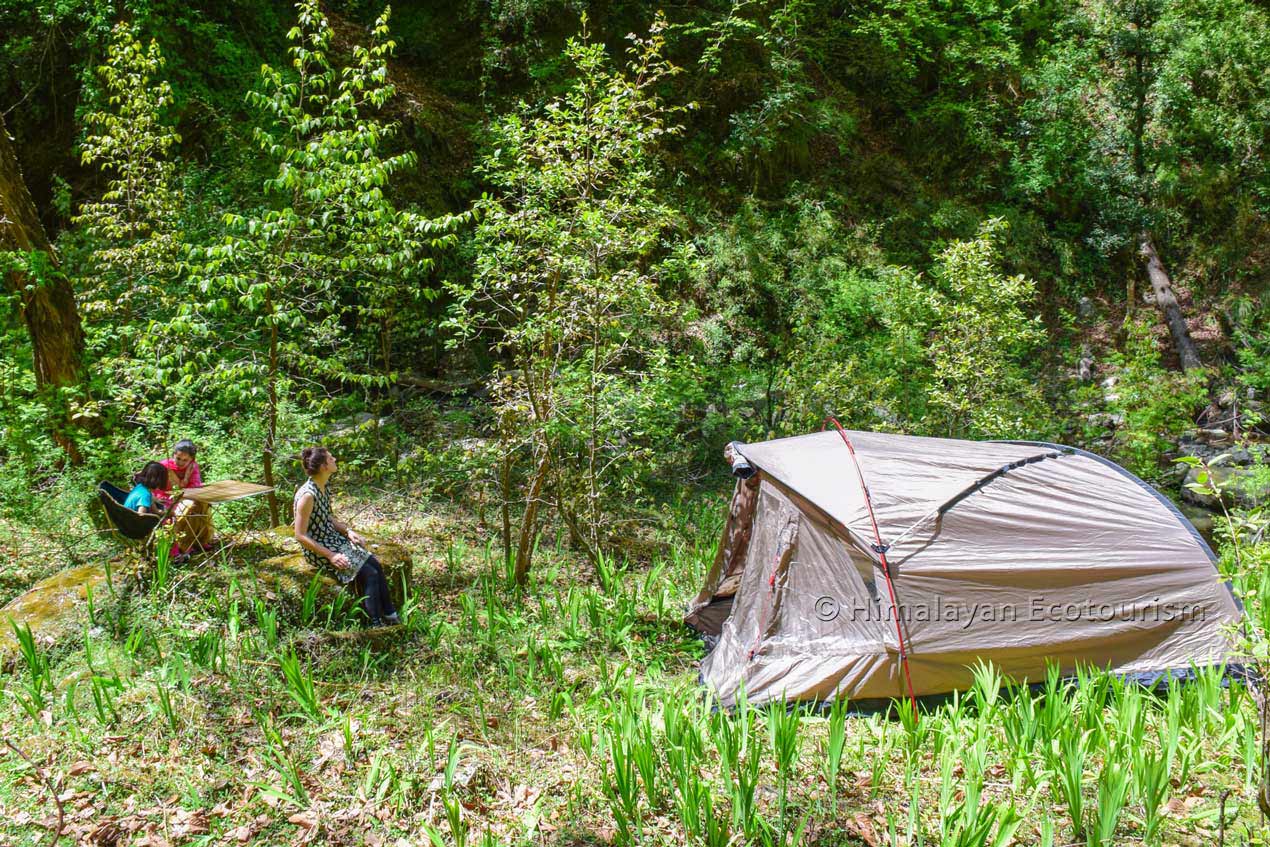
x,y
325,538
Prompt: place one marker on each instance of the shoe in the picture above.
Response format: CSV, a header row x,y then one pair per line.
x,y
392,620
375,623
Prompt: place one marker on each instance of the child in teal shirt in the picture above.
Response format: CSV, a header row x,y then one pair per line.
x,y
152,479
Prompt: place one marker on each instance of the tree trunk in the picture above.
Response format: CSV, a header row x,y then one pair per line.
x,y
271,424
529,521
1166,302
47,303
505,512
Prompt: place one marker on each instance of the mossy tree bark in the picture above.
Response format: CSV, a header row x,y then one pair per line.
x,y
48,301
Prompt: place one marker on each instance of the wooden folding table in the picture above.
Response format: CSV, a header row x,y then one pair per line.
x,y
221,491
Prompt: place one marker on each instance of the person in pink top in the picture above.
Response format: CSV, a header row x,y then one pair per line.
x,y
183,466
193,519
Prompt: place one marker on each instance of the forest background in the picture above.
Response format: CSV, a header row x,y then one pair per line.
x,y
527,267
560,253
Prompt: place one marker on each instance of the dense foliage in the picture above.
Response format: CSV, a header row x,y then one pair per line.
x,y
911,216
527,266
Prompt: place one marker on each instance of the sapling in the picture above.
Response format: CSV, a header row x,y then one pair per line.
x,y
1113,789
832,759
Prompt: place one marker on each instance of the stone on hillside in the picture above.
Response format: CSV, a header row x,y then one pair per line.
x,y
1244,487
1085,369
54,608
471,777
313,641
1214,437
1200,518
353,425
1218,454
290,574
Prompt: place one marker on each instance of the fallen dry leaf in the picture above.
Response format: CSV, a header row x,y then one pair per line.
x,y
186,823
861,825
307,820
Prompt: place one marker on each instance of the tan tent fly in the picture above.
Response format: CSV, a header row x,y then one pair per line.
x,y
1019,554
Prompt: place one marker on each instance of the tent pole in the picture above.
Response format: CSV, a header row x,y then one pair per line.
x,y
880,549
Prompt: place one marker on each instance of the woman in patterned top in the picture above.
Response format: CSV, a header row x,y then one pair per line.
x,y
326,539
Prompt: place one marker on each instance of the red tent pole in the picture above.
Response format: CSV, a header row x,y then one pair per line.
x,y
880,549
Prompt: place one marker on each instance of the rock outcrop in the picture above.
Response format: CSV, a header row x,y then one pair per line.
x,y
54,608
1238,470
289,575
57,608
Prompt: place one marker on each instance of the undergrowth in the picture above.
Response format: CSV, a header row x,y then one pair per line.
x,y
213,709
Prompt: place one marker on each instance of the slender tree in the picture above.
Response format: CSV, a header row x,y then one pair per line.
x,y
332,238
566,285
133,225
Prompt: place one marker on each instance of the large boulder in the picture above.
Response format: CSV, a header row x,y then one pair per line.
x,y
290,574
54,608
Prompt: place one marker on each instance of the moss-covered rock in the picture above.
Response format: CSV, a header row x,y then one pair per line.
x,y
289,574
54,608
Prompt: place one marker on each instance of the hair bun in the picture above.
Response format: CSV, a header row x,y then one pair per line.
x,y
313,458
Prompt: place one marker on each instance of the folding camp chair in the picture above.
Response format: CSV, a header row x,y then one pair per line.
x,y
137,529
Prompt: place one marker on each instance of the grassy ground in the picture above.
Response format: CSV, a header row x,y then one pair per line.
x,y
209,709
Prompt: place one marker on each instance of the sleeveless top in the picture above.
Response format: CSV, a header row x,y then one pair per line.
x,y
322,530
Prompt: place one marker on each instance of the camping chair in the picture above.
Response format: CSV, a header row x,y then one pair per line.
x,y
137,529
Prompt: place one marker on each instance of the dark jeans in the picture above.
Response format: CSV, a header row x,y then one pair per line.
x,y
374,588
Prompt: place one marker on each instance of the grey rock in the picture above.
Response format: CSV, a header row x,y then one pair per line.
x,y
1085,369
1200,518
1242,487
1241,457
361,422
470,777
1214,436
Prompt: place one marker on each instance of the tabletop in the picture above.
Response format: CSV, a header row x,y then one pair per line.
x,y
222,491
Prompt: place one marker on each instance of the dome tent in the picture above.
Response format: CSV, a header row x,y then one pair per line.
x,y
1020,554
